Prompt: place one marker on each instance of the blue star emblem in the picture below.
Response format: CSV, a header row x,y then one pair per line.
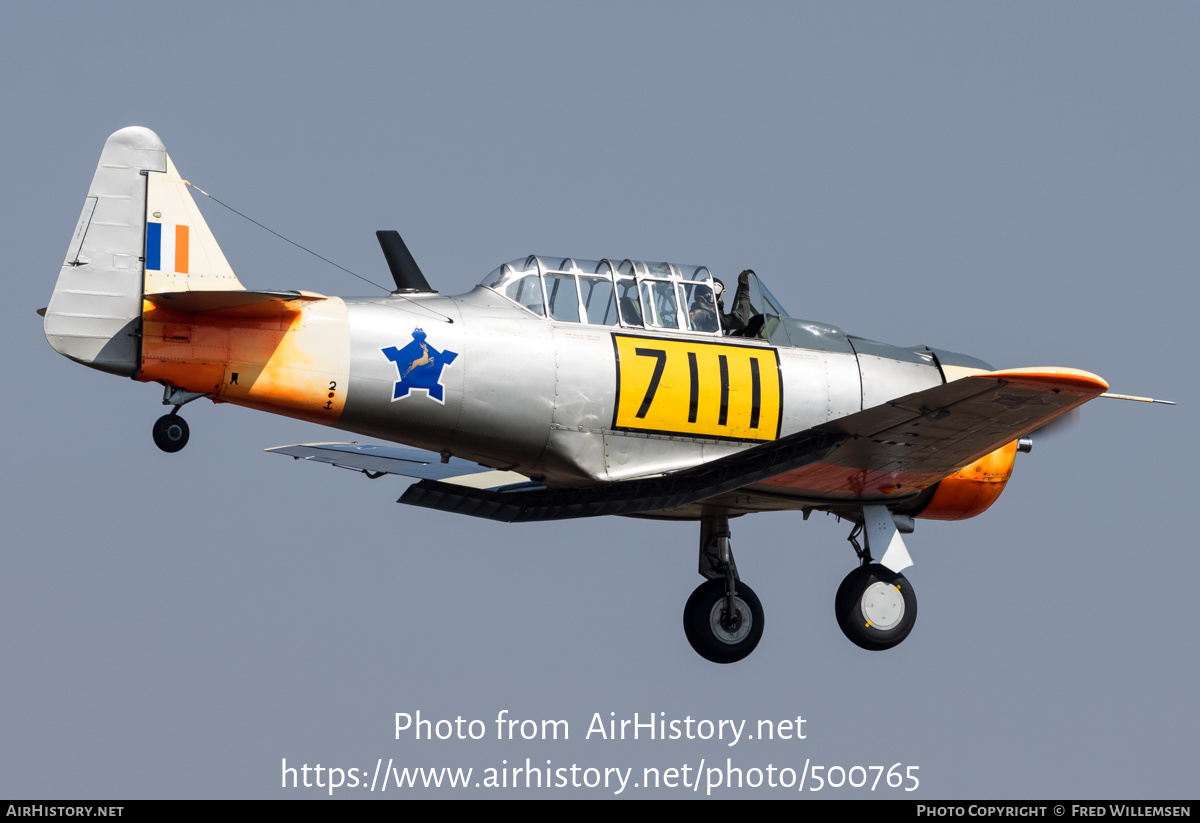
x,y
419,366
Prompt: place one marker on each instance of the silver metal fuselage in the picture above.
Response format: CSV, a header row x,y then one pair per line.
x,y
539,396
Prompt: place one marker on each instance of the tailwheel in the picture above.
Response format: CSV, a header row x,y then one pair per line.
x,y
876,607
171,432
716,633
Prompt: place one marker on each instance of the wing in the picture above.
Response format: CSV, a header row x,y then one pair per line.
x,y
889,452
906,445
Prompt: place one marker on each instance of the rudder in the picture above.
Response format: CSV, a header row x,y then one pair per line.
x,y
137,209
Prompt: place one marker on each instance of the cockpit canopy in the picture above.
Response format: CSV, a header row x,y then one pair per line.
x,y
637,294
629,293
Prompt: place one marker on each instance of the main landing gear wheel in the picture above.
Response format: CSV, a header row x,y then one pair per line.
x,y
716,635
876,607
171,432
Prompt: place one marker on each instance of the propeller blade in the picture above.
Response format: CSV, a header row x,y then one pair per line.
x,y
1057,426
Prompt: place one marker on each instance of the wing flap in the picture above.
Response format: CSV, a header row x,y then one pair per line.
x,y
652,494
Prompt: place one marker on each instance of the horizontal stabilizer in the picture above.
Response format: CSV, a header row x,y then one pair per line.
x,y
238,303
401,460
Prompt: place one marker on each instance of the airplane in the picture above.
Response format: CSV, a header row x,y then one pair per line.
x,y
564,388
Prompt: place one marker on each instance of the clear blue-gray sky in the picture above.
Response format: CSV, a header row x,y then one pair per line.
x,y
1017,181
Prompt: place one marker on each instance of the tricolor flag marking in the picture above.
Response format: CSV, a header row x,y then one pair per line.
x,y
166,244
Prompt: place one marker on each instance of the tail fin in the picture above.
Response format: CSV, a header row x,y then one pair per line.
x,y
181,252
139,233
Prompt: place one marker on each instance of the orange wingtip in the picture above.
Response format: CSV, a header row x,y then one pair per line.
x,y
1047,378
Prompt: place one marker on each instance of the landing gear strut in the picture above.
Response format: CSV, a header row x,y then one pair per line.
x,y
723,619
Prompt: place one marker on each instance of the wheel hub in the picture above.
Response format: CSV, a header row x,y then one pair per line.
x,y
734,630
883,605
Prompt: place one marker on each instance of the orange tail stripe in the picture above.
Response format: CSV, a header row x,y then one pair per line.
x,y
181,249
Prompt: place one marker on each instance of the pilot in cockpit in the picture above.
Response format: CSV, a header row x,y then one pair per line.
x,y
702,316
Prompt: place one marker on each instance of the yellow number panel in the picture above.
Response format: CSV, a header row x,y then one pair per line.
x,y
701,389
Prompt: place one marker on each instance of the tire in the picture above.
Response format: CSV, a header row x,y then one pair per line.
x,y
876,607
171,433
702,622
